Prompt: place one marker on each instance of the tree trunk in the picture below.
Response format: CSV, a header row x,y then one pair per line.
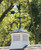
x,y
36,39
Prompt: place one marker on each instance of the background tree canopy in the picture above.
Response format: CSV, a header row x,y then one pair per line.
x,y
31,9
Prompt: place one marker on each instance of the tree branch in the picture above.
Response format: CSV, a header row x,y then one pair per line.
x,y
1,1
12,24
4,14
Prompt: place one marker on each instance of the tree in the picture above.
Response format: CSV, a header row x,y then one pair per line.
x,y
36,20
6,11
32,22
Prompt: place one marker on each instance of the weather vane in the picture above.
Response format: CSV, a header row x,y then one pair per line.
x,y
12,12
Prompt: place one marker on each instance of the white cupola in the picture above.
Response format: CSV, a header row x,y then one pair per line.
x,y
19,39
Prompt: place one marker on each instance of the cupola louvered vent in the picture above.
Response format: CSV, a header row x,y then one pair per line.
x,y
24,37
16,37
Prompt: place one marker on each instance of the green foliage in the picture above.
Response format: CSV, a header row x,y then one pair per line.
x,y
34,10
9,23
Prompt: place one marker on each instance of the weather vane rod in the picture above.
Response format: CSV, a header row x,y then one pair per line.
x,y
12,12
